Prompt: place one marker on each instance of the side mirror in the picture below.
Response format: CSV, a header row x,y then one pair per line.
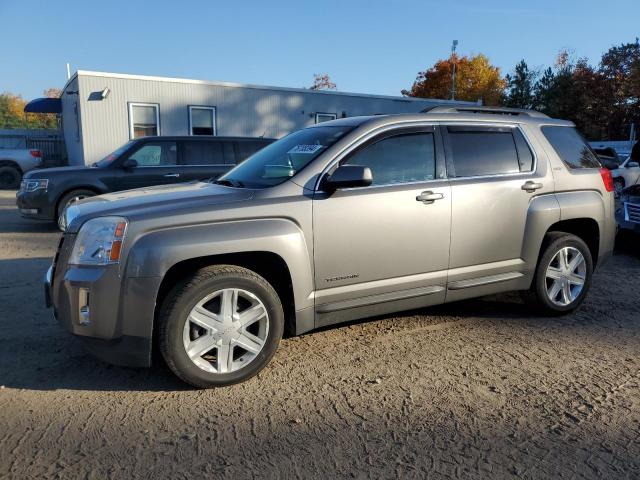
x,y
349,176
633,164
129,164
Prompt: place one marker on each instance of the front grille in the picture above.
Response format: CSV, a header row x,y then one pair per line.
x,y
632,212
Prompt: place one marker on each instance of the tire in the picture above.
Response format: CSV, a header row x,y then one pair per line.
x,y
183,328
10,177
71,197
618,185
571,293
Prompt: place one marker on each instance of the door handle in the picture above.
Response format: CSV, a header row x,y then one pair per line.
x,y
429,197
531,186
172,175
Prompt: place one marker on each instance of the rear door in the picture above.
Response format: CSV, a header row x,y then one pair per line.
x,y
157,164
203,159
493,175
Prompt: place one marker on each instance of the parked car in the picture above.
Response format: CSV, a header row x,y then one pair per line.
x,y
608,157
626,174
342,220
148,161
628,213
14,163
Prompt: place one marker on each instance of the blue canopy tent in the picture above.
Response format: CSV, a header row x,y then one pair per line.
x,y
44,105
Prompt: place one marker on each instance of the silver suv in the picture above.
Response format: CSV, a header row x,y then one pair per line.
x,y
342,220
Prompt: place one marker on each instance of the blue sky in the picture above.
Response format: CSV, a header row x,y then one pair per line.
x,y
366,46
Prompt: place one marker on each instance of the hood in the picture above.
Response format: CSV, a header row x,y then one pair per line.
x,y
53,172
157,200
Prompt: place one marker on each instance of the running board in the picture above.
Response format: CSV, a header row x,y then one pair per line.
x,y
376,299
478,282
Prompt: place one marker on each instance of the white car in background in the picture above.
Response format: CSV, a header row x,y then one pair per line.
x,y
16,162
626,174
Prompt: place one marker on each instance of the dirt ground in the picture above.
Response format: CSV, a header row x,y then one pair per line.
x,y
479,389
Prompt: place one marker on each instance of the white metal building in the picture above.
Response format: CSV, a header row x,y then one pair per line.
x,y
101,111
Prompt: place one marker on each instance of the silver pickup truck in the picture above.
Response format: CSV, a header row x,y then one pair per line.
x,y
343,220
16,162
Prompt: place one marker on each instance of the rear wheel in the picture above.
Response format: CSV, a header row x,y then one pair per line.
x,y
72,197
220,326
563,275
10,177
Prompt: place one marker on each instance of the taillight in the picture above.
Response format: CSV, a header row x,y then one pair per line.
x,y
607,179
35,153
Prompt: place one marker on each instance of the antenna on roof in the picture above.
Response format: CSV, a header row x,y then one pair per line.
x,y
68,71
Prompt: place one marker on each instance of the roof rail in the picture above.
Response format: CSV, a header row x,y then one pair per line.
x,y
486,110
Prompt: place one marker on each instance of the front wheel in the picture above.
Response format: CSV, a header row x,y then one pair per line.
x,y
71,198
563,275
220,326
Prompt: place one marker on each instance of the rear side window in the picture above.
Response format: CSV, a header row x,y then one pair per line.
x,y
571,147
202,153
477,151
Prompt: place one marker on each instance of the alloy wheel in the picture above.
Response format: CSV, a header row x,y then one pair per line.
x,y
565,276
226,330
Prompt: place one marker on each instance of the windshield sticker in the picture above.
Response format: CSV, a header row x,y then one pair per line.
x,y
309,149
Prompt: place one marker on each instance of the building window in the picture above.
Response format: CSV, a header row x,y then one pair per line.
x,y
202,120
144,120
325,117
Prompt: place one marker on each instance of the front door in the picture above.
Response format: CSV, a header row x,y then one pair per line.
x,y
156,165
384,247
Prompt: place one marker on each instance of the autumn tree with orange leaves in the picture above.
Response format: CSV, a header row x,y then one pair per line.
x,y
476,79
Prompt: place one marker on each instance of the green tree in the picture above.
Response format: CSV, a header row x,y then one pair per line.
x,y
520,87
620,68
12,113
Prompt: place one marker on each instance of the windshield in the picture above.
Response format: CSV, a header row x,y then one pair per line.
x,y
108,160
281,160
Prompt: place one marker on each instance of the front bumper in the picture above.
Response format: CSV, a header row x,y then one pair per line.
x,y
35,205
111,314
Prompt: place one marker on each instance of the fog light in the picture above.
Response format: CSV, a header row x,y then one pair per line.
x,y
84,318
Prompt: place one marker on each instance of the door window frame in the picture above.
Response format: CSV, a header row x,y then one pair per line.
x,y
473,125
214,112
143,104
379,134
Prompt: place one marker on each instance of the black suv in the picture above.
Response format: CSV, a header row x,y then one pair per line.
x,y
142,162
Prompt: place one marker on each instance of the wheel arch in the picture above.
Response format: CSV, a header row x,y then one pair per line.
x,y
6,162
268,265
273,248
580,213
66,191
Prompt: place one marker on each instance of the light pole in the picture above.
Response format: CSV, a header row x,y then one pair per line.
x,y
453,71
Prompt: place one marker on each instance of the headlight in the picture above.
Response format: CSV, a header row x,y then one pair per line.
x,y
33,184
99,241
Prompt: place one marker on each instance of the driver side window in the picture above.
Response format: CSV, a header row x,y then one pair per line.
x,y
155,154
404,158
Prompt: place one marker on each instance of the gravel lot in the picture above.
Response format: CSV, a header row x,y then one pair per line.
x,y
479,389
